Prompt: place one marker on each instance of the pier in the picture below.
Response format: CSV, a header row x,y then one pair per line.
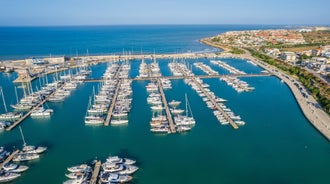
x,y
113,103
96,171
231,122
168,113
9,158
27,114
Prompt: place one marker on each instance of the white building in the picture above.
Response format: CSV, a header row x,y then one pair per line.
x,y
288,56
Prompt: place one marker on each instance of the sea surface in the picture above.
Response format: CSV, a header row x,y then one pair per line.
x,y
277,145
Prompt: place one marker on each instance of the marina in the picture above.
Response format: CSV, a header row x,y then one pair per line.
x,y
271,113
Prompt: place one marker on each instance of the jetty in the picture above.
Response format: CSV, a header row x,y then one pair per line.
x,y
96,171
9,158
167,110
113,103
231,122
27,114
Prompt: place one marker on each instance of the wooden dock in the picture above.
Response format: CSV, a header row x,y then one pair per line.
x,y
168,113
231,122
9,158
113,103
96,171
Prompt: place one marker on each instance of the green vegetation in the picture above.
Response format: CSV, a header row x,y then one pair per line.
x,y
317,36
319,89
215,39
237,51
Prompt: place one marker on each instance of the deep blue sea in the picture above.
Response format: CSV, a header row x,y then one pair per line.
x,y
26,42
276,146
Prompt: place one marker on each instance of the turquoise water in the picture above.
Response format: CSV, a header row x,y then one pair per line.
x,y
277,145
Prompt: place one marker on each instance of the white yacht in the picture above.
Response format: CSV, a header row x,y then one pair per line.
x,y
157,108
10,167
118,160
9,176
41,112
21,157
80,168
174,103
93,120
119,121
34,149
114,178
10,116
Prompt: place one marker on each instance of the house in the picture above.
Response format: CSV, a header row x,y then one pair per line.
x,y
320,60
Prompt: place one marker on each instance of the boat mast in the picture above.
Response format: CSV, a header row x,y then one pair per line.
x,y
186,104
20,129
16,94
3,99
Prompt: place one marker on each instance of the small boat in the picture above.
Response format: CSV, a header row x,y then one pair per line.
x,y
157,108
80,168
177,111
79,180
75,175
21,157
10,116
8,176
34,149
174,103
119,121
41,112
4,124
14,168
183,128
118,160
161,130
115,178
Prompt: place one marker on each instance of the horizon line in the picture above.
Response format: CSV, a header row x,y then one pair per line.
x,y
174,24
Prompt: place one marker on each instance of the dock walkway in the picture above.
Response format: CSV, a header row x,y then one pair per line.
x,y
96,171
168,113
27,114
9,158
113,103
231,122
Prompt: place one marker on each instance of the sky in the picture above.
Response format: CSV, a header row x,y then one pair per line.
x,y
128,12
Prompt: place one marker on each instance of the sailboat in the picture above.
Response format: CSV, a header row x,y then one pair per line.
x,y
29,148
9,116
20,106
184,122
28,152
